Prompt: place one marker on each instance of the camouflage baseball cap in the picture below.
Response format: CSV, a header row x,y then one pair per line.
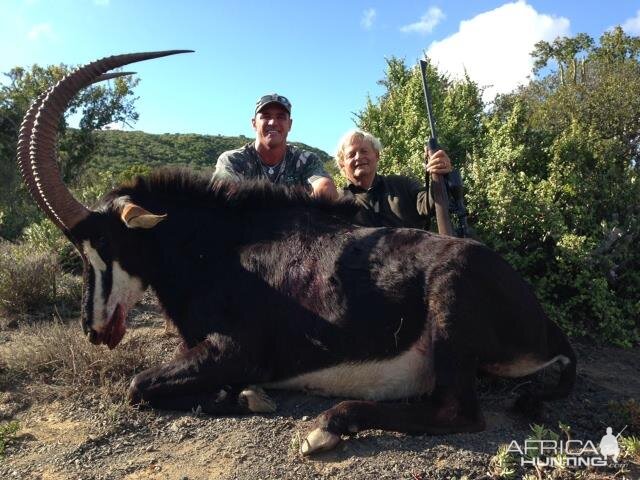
x,y
273,98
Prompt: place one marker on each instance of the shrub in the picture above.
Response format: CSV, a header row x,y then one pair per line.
x,y
628,413
7,432
32,282
45,237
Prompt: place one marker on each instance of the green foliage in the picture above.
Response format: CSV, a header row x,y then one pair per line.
x,y
503,464
47,239
569,54
119,150
539,433
572,175
99,182
7,433
630,448
44,236
551,171
399,118
99,105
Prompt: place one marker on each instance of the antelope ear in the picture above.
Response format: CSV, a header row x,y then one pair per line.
x,y
134,216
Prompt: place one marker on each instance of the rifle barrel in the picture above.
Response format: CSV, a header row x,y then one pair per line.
x,y
427,100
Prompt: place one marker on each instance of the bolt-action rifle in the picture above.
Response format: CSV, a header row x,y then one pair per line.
x,y
439,183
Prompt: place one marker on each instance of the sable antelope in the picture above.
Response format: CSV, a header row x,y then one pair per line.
x,y
271,288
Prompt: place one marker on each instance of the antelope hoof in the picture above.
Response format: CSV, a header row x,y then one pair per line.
x,y
319,440
257,400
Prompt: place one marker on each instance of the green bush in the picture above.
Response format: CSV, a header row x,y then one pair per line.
x,y
45,237
98,183
543,220
7,433
32,282
551,172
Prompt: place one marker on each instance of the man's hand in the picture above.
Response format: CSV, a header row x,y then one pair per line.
x,y
437,162
324,188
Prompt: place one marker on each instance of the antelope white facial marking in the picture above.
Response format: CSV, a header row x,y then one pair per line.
x,y
126,289
99,267
94,257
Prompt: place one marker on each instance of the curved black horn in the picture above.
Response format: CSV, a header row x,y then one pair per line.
x,y
42,173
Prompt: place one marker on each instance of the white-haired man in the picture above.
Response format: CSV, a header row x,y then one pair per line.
x,y
385,200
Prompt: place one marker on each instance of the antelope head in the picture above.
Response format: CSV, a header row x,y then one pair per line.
x,y
112,280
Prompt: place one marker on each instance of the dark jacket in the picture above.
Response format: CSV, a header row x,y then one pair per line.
x,y
392,201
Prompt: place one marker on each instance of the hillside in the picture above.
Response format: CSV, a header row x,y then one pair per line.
x,y
119,149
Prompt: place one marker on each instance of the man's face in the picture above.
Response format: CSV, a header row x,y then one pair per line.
x,y
360,162
272,125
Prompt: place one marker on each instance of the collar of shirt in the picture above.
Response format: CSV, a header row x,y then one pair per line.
x,y
254,153
377,180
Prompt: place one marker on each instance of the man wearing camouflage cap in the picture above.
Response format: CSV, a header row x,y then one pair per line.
x,y
271,157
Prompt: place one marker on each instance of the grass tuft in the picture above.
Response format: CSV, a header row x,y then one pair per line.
x,y
503,464
64,364
630,447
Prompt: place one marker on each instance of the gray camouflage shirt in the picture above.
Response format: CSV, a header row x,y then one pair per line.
x,y
299,167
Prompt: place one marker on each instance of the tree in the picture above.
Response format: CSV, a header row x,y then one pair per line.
x,y
552,171
99,105
557,189
399,117
569,54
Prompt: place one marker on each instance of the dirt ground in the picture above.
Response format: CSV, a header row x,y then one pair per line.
x,y
86,437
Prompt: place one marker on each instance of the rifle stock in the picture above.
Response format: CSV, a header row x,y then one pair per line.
x,y
438,183
441,202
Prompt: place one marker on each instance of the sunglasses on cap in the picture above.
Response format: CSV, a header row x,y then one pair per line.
x,y
273,98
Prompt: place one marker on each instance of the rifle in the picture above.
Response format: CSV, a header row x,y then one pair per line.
x,y
439,185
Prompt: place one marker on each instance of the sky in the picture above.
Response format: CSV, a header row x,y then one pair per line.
x,y
326,57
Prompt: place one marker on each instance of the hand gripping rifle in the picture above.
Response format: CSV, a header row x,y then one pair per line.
x,y
440,183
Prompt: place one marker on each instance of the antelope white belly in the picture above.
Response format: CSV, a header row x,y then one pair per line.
x,y
406,375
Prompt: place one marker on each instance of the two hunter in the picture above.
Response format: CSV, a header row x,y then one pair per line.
x,y
384,200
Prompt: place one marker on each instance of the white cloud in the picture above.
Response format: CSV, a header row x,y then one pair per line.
x,y
631,26
41,30
494,46
368,16
427,22
115,126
